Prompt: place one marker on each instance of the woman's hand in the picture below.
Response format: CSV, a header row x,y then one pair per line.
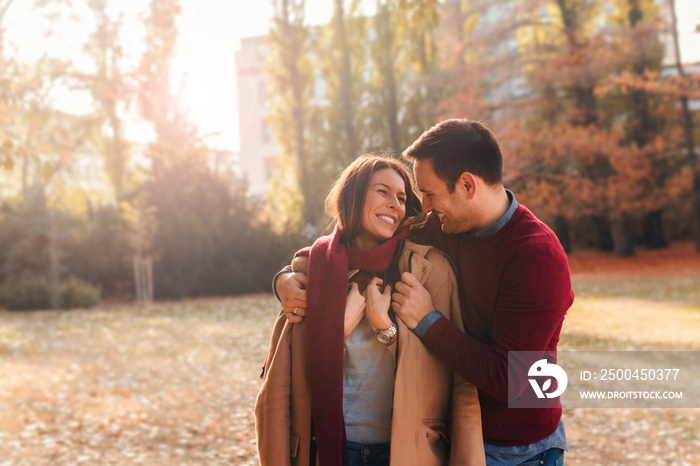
x,y
354,309
378,304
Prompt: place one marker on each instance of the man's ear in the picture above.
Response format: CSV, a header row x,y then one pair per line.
x,y
469,182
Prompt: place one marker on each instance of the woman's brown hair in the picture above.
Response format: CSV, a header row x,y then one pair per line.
x,y
347,196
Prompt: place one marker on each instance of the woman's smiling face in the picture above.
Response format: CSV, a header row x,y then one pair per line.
x,y
383,210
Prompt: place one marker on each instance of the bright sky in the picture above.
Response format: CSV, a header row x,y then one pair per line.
x,y
209,35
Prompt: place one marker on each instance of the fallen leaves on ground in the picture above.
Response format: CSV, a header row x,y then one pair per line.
x,y
175,383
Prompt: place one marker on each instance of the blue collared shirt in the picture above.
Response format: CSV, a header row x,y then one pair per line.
x,y
496,226
500,455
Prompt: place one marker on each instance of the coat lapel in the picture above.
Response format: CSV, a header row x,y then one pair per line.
x,y
416,263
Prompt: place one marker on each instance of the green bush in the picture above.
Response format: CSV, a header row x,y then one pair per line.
x,y
79,294
21,294
30,293
209,241
97,248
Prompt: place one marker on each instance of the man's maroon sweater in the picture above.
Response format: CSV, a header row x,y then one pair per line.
x,y
516,292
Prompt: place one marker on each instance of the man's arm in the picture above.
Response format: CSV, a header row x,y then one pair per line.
x,y
529,313
289,286
285,269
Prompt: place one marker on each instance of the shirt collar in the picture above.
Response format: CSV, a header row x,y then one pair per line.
x,y
501,222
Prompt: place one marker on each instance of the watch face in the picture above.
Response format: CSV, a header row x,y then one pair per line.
x,y
385,336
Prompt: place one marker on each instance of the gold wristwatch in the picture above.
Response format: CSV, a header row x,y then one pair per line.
x,y
385,336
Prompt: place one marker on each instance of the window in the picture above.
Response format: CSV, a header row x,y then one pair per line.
x,y
266,132
262,92
372,34
319,87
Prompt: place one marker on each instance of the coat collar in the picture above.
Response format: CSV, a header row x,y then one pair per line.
x,y
416,262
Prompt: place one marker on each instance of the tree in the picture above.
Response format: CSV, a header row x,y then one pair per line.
x,y
568,67
26,118
101,229
176,136
4,7
288,75
210,241
157,211
400,98
112,92
688,131
347,112
385,60
642,131
41,142
482,69
635,31
417,60
47,143
362,85
7,141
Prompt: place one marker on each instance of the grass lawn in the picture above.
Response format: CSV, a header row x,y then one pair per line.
x,y
175,383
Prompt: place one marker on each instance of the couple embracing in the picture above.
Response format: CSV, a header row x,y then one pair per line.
x,y
392,344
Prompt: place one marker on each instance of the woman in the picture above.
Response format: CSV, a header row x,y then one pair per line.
x,y
351,382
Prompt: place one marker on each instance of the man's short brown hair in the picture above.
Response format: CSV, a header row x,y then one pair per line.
x,y
456,146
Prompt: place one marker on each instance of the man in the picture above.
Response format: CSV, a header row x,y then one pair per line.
x,y
514,281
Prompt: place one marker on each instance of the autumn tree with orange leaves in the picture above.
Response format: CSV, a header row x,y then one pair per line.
x,y
688,88
570,59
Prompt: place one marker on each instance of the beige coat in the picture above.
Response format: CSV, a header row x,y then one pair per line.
x,y
436,414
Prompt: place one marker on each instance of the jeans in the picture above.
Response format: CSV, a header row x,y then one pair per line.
x,y
551,457
372,454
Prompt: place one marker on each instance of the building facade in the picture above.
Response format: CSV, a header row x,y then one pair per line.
x,y
259,156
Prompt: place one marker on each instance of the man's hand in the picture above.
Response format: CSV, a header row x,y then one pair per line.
x,y
291,288
354,309
411,301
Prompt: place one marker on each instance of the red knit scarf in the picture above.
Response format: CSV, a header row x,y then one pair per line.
x,y
329,262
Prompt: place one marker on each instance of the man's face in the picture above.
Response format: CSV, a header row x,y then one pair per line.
x,y
454,210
